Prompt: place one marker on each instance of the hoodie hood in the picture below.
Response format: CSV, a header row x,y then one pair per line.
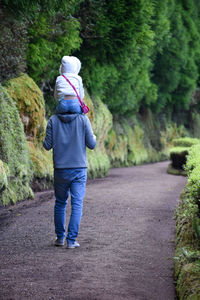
x,y
67,118
70,64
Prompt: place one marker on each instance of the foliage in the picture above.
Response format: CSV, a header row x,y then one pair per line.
x,y
50,39
15,164
186,142
140,53
135,54
101,120
13,46
170,133
193,159
192,168
179,153
31,9
42,167
40,33
176,66
187,257
117,45
30,103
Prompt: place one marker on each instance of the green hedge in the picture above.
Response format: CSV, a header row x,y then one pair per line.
x,y
178,154
178,157
185,142
187,255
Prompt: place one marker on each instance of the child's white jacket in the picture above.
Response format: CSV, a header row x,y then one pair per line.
x,y
69,67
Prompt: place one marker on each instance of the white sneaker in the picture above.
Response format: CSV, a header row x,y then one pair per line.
x,y
73,245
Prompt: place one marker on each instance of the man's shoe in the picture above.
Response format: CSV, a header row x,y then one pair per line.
x,y
73,245
59,242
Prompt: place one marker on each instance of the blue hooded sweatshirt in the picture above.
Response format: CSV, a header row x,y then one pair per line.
x,y
68,134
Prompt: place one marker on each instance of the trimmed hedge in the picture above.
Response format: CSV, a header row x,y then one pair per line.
x,y
178,157
187,255
178,154
185,142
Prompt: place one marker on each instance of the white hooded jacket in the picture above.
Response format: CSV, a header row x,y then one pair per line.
x,y
70,67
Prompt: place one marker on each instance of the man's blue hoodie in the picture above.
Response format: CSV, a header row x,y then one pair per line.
x,y
69,135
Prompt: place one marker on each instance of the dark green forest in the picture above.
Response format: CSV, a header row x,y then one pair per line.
x,y
134,54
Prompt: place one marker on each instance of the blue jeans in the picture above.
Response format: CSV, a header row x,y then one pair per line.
x,y
67,181
68,106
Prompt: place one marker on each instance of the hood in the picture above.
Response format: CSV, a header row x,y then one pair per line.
x,y
67,118
70,64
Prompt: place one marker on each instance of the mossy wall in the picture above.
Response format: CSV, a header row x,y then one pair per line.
x,y
30,103
31,106
101,120
125,145
123,141
15,163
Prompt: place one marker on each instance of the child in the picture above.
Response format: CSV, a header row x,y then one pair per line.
x,y
64,93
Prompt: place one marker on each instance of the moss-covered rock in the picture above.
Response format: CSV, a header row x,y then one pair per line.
x,y
15,166
42,167
101,120
125,144
30,103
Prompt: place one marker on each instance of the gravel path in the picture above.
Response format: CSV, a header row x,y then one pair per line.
x,y
126,237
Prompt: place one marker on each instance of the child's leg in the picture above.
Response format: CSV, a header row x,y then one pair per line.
x,y
68,106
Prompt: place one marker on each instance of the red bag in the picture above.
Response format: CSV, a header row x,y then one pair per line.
x,y
84,107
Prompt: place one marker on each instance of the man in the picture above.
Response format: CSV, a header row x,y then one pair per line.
x,y
68,134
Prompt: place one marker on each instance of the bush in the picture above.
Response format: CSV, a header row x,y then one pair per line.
x,y
178,154
51,37
187,256
13,45
178,157
186,142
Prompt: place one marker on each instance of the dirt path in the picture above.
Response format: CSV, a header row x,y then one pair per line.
x,y
126,237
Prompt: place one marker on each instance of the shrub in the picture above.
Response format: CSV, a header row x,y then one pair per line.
x,y
13,45
178,154
178,157
187,256
51,37
186,142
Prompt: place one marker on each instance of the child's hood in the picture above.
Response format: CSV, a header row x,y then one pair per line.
x,y
70,64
